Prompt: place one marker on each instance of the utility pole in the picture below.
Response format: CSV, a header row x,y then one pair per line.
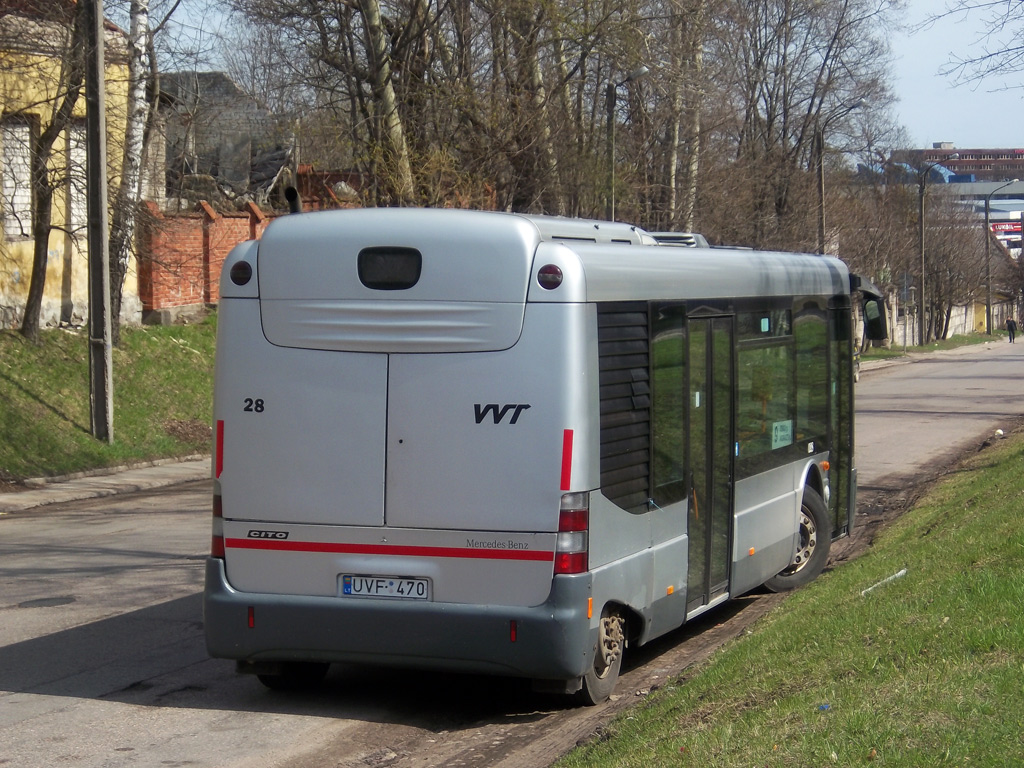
x,y
101,369
611,96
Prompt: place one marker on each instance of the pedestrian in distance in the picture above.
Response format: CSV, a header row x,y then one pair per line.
x,y
1011,328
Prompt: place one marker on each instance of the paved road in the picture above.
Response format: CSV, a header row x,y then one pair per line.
x,y
912,418
102,661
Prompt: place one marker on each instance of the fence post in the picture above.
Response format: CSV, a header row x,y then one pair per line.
x,y
210,216
256,220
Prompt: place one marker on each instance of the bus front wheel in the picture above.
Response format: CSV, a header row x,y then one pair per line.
x,y
812,548
600,679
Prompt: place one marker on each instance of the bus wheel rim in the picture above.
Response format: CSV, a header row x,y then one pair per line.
x,y
808,541
609,646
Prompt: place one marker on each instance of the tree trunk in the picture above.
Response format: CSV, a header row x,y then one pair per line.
x,y
129,193
692,106
42,209
393,132
551,190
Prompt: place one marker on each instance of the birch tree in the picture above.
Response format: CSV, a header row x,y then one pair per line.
x,y
386,101
128,198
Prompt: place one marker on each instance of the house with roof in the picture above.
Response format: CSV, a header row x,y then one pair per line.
x,y
223,146
34,39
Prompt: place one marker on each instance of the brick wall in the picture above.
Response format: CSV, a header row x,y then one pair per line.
x,y
181,256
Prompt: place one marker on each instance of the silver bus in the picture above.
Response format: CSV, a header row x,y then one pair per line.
x,y
515,445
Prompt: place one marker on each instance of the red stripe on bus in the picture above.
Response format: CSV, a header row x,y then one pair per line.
x,y
277,545
566,460
220,447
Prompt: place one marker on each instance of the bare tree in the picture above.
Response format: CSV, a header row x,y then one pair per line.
x,y
508,103
129,191
953,251
391,127
259,61
348,54
464,93
999,53
791,70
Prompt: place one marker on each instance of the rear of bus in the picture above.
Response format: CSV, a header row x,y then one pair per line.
x,y
399,446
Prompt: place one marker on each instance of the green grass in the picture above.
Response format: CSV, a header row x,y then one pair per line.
x,y
954,342
925,670
163,380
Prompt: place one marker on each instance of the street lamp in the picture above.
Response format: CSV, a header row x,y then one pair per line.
x,y
988,257
922,183
819,146
611,97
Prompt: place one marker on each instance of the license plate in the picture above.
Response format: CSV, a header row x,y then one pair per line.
x,y
385,586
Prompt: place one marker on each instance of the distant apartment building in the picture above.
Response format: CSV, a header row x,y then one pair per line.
x,y
977,164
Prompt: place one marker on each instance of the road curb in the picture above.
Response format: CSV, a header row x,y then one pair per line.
x,y
107,482
40,482
867,366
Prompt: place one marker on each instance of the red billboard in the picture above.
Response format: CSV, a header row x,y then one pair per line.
x,y
1006,227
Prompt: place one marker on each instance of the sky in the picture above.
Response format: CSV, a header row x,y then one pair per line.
x,y
930,107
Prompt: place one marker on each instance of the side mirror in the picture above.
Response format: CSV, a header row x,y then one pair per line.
x,y
875,327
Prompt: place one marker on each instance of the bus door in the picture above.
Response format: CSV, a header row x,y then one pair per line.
x,y
711,459
842,477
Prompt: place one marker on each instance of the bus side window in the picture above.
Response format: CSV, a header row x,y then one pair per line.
x,y
765,408
668,409
766,387
810,331
623,340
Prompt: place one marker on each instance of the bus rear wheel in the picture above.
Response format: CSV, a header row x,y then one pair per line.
x,y
600,679
812,548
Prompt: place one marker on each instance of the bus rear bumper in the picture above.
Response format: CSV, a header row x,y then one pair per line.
x,y
551,641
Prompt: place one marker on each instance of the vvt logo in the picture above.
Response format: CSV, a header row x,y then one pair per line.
x,y
498,412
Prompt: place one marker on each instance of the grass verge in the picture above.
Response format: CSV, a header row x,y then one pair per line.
x,y
954,342
163,381
926,669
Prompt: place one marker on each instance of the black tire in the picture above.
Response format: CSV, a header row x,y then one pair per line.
x,y
296,676
599,681
812,549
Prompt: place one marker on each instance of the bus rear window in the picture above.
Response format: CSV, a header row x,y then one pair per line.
x,y
389,268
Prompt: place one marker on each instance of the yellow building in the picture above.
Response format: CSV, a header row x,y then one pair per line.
x,y
33,75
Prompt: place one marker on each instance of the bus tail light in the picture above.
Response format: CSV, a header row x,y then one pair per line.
x,y
549,276
217,543
218,449
572,546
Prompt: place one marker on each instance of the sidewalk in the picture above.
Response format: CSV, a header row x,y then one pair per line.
x,y
867,366
108,482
